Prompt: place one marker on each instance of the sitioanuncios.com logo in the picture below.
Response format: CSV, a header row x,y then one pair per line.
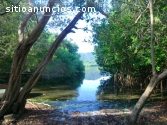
x,y
19,8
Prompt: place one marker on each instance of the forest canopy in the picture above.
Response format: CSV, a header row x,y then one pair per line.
x,y
65,62
123,43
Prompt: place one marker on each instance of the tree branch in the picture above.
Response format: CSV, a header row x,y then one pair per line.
x,y
30,83
22,25
141,14
102,12
35,33
152,39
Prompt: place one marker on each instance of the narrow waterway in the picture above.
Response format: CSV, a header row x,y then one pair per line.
x,y
90,95
86,99
87,91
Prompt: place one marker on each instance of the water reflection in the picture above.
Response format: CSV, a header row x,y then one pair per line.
x,y
63,96
92,73
87,91
95,93
83,98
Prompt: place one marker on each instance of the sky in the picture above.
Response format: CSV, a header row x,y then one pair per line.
x,y
79,36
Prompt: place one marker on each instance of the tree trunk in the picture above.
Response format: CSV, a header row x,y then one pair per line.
x,y
161,86
14,98
18,101
131,120
20,55
34,78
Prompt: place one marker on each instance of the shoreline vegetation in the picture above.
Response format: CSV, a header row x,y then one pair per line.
x,y
153,113
36,113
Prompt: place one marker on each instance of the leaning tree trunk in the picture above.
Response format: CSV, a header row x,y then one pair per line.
x,y
21,100
131,120
11,94
18,101
139,105
14,98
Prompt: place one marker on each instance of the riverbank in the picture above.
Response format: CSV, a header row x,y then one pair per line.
x,y
154,114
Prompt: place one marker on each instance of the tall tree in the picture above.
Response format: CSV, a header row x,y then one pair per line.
x,y
123,44
14,99
156,78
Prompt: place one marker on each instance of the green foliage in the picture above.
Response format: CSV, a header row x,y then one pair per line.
x,y
123,42
65,62
39,50
8,39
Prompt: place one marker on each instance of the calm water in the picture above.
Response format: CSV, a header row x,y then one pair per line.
x,y
91,95
87,91
86,99
83,100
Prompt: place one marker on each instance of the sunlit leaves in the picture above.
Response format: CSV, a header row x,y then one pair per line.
x,y
66,62
124,43
157,19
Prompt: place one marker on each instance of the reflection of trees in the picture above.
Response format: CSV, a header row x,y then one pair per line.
x,y
107,86
110,87
92,73
110,90
72,81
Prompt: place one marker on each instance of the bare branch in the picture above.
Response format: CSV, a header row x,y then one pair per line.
x,y
30,83
162,75
75,27
141,14
72,31
86,29
102,12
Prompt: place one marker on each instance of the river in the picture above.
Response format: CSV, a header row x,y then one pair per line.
x,y
83,98
86,97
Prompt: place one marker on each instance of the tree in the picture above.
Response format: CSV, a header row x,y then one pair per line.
x,y
65,62
123,45
156,78
14,99
8,33
119,49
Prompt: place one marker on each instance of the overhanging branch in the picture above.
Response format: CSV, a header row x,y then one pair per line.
x,y
31,82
